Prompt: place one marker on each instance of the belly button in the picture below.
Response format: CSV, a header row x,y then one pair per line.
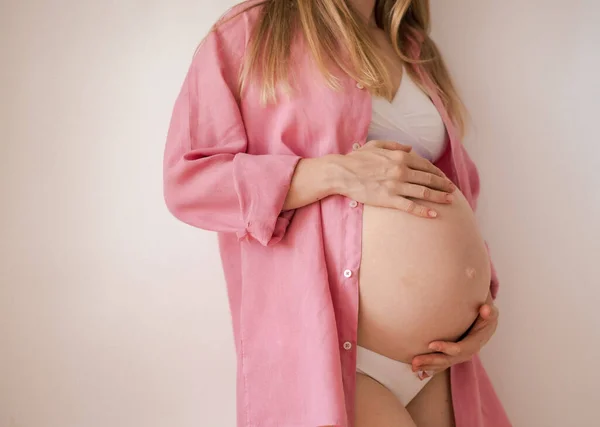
x,y
471,272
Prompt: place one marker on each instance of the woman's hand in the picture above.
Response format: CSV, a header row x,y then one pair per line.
x,y
449,353
388,174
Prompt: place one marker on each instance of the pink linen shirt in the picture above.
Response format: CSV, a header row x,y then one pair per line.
x,y
292,276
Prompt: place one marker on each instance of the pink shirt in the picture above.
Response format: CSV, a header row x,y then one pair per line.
x,y
292,277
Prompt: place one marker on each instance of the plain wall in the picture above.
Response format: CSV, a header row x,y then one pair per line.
x,y
528,72
114,314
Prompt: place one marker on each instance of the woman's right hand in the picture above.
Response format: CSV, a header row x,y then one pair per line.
x,y
388,174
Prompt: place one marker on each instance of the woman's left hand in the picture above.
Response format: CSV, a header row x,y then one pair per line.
x,y
450,353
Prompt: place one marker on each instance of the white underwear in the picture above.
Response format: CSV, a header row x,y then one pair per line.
x,y
396,376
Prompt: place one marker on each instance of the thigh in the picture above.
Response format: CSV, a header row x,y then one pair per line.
x,y
376,406
432,407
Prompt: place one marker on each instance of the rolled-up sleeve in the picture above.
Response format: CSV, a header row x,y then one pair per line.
x,y
210,181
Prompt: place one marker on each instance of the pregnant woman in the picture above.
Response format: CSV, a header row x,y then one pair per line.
x,y
321,139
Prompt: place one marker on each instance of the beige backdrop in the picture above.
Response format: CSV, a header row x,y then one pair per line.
x,y
114,314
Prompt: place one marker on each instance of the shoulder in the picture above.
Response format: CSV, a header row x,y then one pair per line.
x,y
223,49
233,30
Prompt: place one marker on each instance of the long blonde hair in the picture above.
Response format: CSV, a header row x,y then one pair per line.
x,y
330,25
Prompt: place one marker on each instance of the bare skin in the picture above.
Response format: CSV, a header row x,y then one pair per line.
x,y
365,176
376,406
432,407
382,173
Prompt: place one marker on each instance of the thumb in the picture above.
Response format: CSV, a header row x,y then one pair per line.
x,y
389,145
488,311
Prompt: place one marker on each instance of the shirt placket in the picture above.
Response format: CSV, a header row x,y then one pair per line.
x,y
349,278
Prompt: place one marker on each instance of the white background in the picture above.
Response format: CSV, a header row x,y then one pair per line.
x,y
114,314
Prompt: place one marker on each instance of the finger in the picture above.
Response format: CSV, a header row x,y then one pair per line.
x,y
486,320
419,163
424,193
489,312
479,335
449,348
430,180
433,360
431,370
413,208
485,328
388,145
485,311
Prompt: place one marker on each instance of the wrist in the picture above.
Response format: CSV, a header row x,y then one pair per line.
x,y
334,173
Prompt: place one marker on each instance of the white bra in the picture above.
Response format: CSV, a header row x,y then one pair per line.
x,y
411,119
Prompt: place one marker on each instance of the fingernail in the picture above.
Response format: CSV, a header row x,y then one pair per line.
x,y
452,187
420,375
432,214
434,347
449,197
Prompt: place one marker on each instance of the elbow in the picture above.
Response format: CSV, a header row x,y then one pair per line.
x,y
177,198
172,194
189,202
183,209
173,201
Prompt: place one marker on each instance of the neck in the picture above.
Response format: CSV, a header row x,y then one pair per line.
x,y
366,9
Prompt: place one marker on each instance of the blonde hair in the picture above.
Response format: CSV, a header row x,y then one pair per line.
x,y
330,25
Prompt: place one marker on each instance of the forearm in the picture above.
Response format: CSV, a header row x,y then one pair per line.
x,y
313,180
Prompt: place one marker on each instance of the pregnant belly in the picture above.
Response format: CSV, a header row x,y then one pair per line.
x,y
420,280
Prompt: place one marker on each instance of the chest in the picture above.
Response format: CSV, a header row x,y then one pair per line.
x,y
311,119
316,119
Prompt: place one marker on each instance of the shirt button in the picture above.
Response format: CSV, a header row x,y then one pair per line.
x,y
347,345
360,86
353,204
347,273
355,146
